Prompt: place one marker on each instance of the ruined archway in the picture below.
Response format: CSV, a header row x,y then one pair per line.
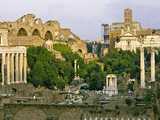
x,y
36,33
22,32
48,36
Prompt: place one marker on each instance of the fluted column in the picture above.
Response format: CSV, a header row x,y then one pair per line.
x,y
142,67
75,68
8,69
25,68
21,67
3,67
152,65
12,68
17,68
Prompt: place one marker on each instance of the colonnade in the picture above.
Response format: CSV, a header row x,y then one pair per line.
x,y
14,68
142,66
114,118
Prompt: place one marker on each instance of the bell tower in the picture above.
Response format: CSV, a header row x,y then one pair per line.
x,y
128,16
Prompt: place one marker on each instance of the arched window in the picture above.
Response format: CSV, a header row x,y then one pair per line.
x,y
36,33
22,32
48,36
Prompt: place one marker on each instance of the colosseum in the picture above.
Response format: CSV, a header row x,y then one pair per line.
x,y
31,31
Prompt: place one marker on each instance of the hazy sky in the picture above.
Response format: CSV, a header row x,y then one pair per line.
x,y
84,17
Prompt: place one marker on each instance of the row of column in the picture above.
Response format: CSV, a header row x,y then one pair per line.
x,y
142,66
113,118
14,68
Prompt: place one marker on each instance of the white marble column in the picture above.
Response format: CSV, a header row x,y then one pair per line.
x,y
25,68
2,67
17,68
12,68
8,69
152,65
142,67
75,68
21,67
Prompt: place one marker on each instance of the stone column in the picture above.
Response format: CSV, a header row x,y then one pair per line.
x,y
21,67
25,68
8,69
75,68
142,67
17,68
116,88
2,67
152,65
12,68
115,82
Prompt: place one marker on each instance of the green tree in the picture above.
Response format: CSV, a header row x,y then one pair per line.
x,y
66,68
122,63
93,76
46,70
43,70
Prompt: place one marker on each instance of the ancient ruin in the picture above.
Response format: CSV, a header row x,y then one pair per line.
x,y
31,31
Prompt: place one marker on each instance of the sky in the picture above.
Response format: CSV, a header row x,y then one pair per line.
x,y
84,17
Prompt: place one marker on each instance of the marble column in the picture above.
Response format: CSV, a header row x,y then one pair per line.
x,y
142,67
21,67
12,68
8,69
152,65
17,68
75,68
25,68
3,68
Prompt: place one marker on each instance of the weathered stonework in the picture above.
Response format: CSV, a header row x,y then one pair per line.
x,y
31,31
66,112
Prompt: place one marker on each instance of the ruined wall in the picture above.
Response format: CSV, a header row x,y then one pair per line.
x,y
31,31
65,112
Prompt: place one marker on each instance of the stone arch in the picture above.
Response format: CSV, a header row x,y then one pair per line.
x,y
48,35
36,32
22,32
30,114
